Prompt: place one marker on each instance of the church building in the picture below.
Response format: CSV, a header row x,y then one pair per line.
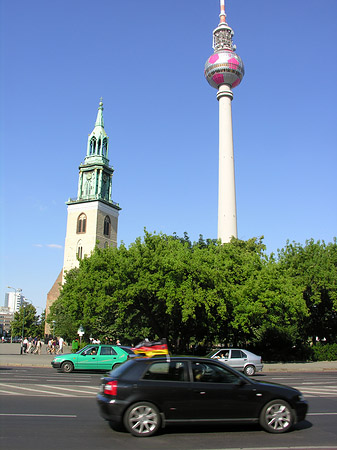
x,y
92,216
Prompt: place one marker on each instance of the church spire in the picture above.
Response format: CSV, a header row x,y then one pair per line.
x,y
95,177
99,120
98,140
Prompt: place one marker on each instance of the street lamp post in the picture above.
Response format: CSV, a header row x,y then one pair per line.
x,y
16,296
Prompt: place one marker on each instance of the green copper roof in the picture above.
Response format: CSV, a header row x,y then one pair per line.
x,y
99,120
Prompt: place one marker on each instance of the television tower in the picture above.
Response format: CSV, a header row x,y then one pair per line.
x,y
224,70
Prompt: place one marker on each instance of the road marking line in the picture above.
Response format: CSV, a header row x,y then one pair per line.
x,y
9,392
323,414
68,389
34,390
68,416
324,447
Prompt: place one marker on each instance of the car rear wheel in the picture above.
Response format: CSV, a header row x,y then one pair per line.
x,y
67,367
142,419
277,417
249,370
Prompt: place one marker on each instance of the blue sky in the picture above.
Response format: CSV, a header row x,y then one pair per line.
x,y
146,59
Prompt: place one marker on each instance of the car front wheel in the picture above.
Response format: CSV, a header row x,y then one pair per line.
x,y
67,367
277,417
142,419
249,370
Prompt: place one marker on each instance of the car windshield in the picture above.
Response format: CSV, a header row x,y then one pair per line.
x,y
81,349
212,353
127,350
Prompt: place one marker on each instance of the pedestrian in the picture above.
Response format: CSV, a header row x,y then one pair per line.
x,y
74,345
118,342
61,341
38,346
30,344
25,345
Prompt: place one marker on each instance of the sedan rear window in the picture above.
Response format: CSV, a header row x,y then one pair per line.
x,y
166,371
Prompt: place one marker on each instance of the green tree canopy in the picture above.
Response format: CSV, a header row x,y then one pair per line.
x,y
166,286
28,321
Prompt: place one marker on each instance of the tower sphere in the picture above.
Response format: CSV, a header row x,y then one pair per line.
x,y
224,67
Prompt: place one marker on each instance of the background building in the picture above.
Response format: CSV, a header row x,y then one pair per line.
x,y
13,301
6,317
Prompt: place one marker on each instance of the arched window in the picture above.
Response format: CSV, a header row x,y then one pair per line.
x,y
92,149
107,226
81,223
79,250
104,147
99,147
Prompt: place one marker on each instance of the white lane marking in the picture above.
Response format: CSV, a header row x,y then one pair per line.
x,y
34,390
71,390
323,414
67,416
327,447
9,392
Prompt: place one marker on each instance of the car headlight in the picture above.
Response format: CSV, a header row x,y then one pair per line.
x,y
301,397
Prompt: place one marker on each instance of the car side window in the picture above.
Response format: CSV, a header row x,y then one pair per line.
x,y
108,351
236,354
211,373
166,371
90,351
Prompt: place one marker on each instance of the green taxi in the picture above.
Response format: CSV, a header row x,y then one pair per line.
x,y
92,357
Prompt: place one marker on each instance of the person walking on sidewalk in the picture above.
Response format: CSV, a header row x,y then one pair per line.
x,y
61,341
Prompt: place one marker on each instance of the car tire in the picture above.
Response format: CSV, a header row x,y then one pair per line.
x,y
115,366
142,419
277,416
116,426
67,367
249,370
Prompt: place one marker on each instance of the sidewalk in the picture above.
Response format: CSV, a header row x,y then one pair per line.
x,y
10,356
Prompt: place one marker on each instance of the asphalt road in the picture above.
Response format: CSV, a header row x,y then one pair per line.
x,y
44,409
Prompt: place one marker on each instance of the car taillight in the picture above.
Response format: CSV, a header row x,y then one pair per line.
x,y
110,388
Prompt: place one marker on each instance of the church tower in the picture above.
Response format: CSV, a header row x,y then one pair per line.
x,y
92,216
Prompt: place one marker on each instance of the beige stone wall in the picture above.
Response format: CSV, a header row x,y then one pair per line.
x,y
96,213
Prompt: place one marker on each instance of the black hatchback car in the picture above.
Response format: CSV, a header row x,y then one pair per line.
x,y
147,394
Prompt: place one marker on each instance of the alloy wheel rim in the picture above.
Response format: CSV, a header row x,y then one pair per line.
x,y
278,417
143,419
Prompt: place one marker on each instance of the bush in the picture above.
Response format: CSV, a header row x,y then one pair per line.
x,y
325,352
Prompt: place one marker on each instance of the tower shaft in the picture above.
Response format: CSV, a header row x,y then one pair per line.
x,y
224,70
227,221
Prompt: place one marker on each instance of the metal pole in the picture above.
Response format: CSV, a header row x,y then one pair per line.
x,y
23,327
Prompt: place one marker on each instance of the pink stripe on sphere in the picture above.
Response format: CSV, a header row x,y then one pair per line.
x,y
213,58
233,61
218,78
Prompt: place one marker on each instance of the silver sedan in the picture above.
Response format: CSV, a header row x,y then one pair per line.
x,y
239,359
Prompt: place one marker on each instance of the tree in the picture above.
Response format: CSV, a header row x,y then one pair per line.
x,y
193,293
27,320
314,269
